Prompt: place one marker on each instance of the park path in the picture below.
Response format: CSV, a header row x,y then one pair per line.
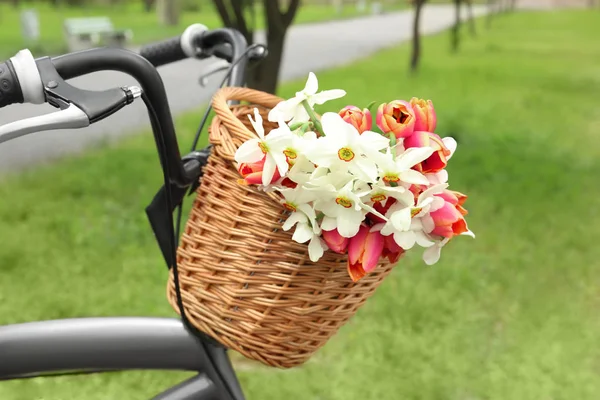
x,y
308,48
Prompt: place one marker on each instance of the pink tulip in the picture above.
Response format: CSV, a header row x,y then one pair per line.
x,y
391,250
455,198
425,119
247,168
360,119
335,241
438,160
397,117
448,221
364,250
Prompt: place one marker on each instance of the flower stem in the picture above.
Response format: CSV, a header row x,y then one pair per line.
x,y
392,139
313,117
295,126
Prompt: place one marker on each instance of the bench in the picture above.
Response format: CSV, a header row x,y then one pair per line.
x,y
85,33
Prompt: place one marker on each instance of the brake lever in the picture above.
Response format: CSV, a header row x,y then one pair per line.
x,y
78,108
71,117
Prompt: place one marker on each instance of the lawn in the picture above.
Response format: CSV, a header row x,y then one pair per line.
x,y
145,26
513,314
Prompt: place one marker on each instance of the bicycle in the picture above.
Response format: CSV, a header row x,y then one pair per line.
x,y
93,345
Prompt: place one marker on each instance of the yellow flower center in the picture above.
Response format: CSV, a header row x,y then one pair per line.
x,y
289,206
378,197
345,154
391,177
344,202
290,153
415,211
263,147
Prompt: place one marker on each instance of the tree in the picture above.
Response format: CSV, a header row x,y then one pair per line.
x,y
148,5
416,39
456,28
471,18
168,12
492,8
265,76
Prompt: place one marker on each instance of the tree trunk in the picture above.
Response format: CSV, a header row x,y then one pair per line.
x,y
168,12
471,18
265,76
456,27
491,9
513,5
233,17
148,5
416,39
15,3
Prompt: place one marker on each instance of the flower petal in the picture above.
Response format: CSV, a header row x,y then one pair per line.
x,y
257,124
249,152
281,162
406,240
303,233
401,220
374,140
413,156
414,177
451,145
422,240
327,95
364,168
268,170
293,219
348,222
316,248
312,84
328,223
432,254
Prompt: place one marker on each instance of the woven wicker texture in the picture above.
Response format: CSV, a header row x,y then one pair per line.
x,y
244,281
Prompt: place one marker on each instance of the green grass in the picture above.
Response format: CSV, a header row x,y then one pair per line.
x,y
145,26
513,314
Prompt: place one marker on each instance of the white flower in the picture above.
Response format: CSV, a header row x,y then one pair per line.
x,y
380,193
398,169
402,216
299,146
432,254
297,200
342,207
410,223
293,111
272,146
343,148
302,170
303,216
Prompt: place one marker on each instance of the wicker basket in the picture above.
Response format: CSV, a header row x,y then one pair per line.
x,y
243,280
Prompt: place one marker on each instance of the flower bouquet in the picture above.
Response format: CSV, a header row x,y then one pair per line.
x,y
353,187
299,217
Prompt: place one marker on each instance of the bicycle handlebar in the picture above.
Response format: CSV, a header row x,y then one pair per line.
x,y
24,79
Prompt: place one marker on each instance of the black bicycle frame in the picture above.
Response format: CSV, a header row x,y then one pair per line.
x,y
112,344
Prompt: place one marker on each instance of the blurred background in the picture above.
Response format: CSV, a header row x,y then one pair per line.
x,y
513,314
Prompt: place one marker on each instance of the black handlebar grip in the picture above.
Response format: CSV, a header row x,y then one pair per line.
x,y
10,88
165,52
